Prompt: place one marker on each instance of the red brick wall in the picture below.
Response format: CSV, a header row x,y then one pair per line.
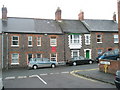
x,y
112,68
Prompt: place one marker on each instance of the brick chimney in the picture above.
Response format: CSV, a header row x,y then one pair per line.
x,y
58,14
81,15
4,13
114,16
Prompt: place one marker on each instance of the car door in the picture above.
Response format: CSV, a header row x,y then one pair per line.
x,y
46,62
82,60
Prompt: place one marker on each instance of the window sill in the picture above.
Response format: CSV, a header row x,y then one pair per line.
x,y
99,42
116,42
14,45
14,63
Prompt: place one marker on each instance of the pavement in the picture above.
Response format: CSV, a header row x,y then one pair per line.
x,y
96,75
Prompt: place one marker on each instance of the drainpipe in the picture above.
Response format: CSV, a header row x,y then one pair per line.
x,y
7,50
2,50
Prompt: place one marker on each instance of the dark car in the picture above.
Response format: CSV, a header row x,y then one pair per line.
x,y
79,60
110,55
117,79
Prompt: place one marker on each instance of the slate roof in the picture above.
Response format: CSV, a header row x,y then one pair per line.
x,y
101,25
73,26
30,25
47,26
18,25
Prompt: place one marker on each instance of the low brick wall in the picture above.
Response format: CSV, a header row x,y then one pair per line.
x,y
112,68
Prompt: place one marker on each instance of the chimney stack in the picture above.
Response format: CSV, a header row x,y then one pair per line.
x,y
4,13
58,14
114,16
81,15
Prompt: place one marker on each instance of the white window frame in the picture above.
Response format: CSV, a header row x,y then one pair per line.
x,y
40,55
55,39
72,39
15,40
78,51
99,38
30,41
15,58
87,39
116,37
38,41
53,57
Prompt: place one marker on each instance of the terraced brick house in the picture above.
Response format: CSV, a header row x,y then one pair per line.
x,y
59,39
104,34
25,38
77,37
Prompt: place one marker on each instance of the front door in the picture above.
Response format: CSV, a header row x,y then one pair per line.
x,y
87,54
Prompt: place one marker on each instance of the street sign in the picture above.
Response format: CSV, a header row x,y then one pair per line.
x,y
105,62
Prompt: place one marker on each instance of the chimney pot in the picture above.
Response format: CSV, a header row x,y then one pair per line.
x,y
4,13
81,15
114,16
58,14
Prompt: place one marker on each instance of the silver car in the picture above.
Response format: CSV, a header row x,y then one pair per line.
x,y
41,62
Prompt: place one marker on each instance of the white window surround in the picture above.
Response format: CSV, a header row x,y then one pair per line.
x,y
53,57
72,51
53,41
87,39
72,43
85,52
38,41
12,44
30,40
116,40
99,38
14,58
37,55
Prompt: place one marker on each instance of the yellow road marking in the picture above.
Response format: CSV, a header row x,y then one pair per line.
x,y
73,73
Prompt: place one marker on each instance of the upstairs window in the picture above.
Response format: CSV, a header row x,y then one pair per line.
x,y
99,38
15,41
87,39
116,40
74,39
38,41
29,40
53,41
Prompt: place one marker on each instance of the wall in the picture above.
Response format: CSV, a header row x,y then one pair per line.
x,y
112,68
23,48
108,42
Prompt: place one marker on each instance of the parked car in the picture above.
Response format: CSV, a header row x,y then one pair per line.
x,y
79,60
41,62
110,55
117,79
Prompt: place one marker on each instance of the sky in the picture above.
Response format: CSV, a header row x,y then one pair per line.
x,y
45,9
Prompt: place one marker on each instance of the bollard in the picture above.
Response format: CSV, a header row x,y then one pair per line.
x,y
105,68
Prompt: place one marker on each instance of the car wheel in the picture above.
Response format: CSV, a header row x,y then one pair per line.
x,y
118,58
35,67
53,66
90,62
74,63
